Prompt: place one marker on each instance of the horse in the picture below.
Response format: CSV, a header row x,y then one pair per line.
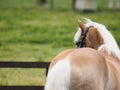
x,y
98,37
93,66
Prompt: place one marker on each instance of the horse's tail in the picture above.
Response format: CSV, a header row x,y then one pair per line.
x,y
59,76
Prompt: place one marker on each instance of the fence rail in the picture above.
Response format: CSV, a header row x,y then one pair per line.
x,y
24,65
21,87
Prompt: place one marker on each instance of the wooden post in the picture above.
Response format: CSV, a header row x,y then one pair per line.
x,y
73,4
51,3
41,2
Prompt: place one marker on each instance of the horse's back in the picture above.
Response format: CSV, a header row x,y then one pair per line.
x,y
60,56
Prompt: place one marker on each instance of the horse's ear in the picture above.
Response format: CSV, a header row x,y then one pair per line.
x,y
81,25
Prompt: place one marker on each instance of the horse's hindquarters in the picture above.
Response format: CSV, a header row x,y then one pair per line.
x,y
88,71
82,69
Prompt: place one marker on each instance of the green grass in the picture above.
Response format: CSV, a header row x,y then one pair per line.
x,y
37,33
22,76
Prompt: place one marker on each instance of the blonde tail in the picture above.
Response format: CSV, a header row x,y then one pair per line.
x,y
59,76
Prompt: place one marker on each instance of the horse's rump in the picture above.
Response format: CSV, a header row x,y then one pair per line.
x,y
82,69
88,68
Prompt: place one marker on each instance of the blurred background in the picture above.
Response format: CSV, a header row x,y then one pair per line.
x,y
37,30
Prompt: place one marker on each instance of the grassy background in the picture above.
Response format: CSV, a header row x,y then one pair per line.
x,y
37,33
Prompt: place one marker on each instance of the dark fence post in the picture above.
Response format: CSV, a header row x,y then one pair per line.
x,y
51,3
41,2
73,3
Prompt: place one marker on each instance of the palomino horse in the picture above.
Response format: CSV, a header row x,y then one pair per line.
x,y
96,36
87,68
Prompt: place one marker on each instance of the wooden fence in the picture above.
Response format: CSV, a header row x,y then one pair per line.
x,y
24,65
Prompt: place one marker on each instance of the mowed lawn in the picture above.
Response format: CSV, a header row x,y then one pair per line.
x,y
38,33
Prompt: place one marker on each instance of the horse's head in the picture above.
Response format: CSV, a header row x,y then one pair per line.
x,y
96,36
88,36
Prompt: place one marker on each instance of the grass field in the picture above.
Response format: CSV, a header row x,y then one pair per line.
x,y
37,33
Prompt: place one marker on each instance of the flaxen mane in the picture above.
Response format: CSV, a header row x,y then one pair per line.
x,y
110,44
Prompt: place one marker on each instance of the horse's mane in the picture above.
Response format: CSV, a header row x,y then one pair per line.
x,y
110,44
